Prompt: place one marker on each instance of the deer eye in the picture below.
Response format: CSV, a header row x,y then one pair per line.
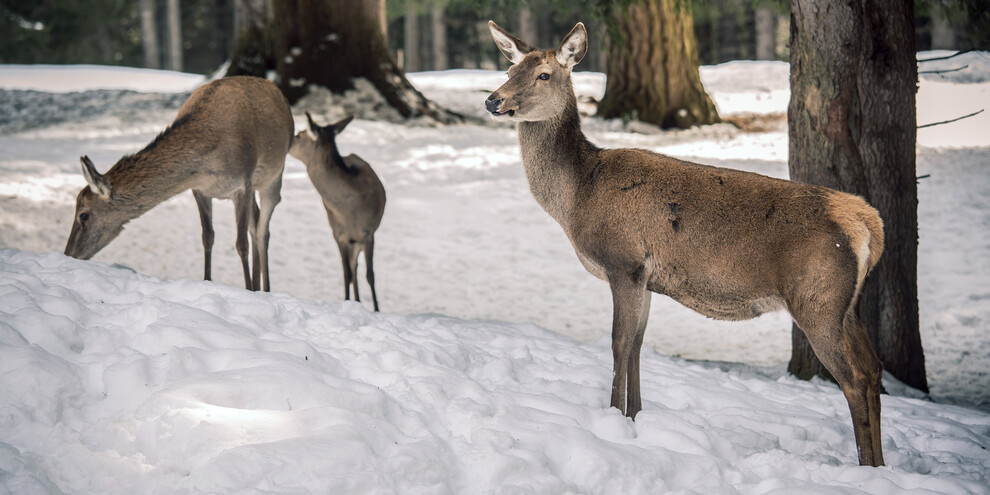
x,y
543,77
83,217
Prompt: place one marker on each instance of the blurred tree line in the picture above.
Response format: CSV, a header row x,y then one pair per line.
x,y
422,34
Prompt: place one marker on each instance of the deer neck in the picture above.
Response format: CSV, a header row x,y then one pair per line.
x,y
328,169
555,156
162,170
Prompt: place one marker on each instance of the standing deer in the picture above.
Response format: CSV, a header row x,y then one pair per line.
x,y
728,244
352,195
229,139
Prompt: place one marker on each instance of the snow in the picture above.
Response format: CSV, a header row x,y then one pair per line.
x,y
489,370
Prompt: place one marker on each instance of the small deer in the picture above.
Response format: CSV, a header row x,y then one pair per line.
x,y
728,244
352,195
229,139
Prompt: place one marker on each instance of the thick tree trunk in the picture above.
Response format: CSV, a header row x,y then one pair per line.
x,y
253,51
149,35
174,35
653,67
851,124
332,42
329,43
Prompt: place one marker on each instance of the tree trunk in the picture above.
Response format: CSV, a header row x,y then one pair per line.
x,y
527,27
438,30
851,127
149,35
329,43
253,51
766,33
413,61
653,67
174,35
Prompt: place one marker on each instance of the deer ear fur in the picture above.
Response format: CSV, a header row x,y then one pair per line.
x,y
97,183
574,46
340,125
513,48
312,129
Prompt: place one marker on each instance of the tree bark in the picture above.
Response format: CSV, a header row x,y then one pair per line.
x,y
851,127
174,35
653,67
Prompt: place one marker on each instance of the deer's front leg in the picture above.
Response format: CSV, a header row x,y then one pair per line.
x,y
627,305
205,206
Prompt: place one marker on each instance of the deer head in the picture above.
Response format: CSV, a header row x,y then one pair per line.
x,y
97,220
315,139
539,85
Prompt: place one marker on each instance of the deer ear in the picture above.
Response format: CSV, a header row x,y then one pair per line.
x,y
574,46
339,126
312,130
97,183
513,48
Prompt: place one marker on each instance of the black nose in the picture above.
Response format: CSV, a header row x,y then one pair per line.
x,y
492,103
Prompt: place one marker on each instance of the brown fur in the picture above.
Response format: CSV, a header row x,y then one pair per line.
x,y
725,243
352,194
228,140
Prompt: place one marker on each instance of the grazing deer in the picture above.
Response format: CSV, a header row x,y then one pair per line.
x,y
728,244
352,195
229,139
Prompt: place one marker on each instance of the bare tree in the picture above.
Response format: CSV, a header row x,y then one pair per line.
x,y
413,60
438,33
174,35
766,33
149,35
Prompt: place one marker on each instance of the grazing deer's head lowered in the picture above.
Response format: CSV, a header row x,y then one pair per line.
x,y
352,194
229,139
725,243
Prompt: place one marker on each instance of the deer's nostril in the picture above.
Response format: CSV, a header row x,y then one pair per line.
x,y
492,104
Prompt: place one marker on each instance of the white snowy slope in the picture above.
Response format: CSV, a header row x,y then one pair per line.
x,y
114,382
212,389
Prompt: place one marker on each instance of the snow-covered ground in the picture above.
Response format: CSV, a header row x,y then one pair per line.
x,y
488,370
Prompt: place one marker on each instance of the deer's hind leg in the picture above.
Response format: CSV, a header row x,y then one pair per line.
x,y
244,213
270,197
345,249
205,205
369,254
841,344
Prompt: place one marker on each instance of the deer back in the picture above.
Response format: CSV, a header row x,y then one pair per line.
x,y
229,133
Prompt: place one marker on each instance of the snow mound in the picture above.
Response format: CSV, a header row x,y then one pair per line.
x,y
112,382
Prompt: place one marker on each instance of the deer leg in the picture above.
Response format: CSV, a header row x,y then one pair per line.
x,y
627,302
242,211
840,342
355,255
205,206
868,438
270,197
345,258
369,254
255,254
635,398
